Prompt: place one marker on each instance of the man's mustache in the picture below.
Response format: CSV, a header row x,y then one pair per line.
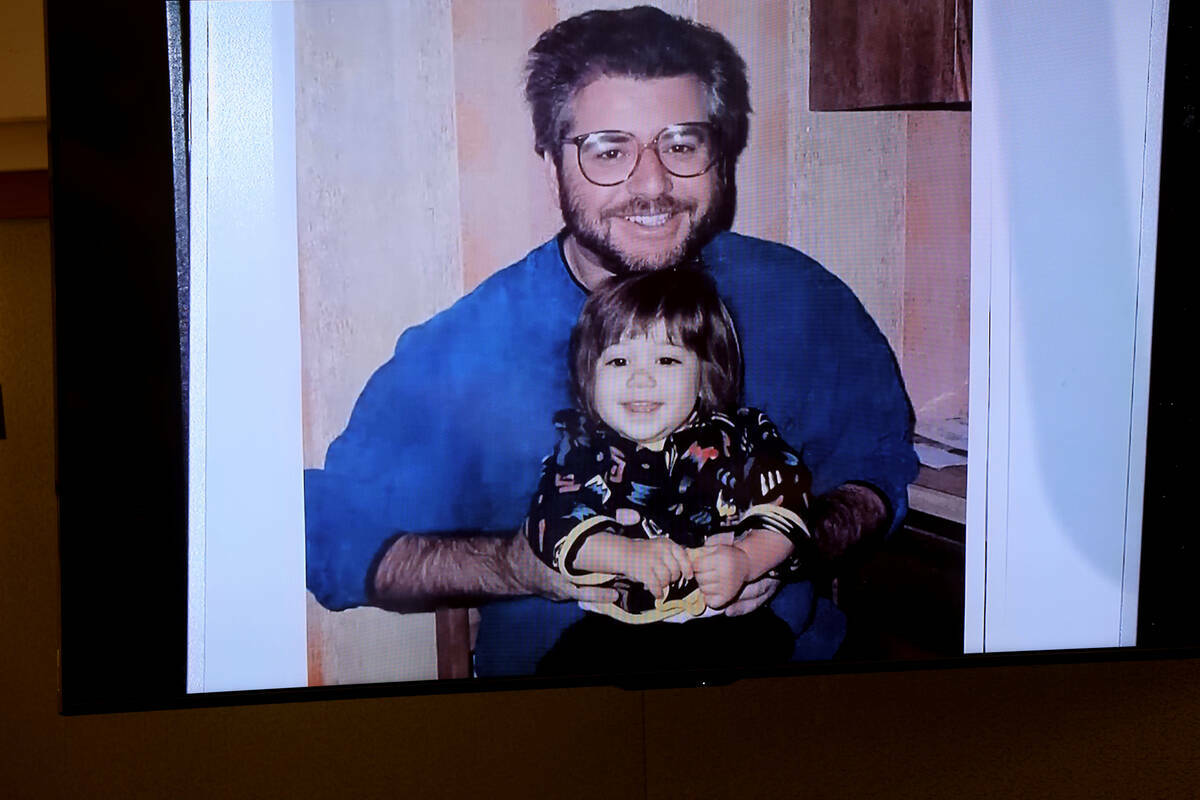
x,y
649,208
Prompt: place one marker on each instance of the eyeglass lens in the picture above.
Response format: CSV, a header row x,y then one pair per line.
x,y
609,157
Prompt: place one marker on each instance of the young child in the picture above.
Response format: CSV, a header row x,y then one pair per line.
x,y
660,485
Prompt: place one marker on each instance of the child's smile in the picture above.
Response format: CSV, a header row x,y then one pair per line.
x,y
646,387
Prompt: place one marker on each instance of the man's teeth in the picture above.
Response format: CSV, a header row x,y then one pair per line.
x,y
653,221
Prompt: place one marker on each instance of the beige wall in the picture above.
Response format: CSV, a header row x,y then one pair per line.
x,y
28,506
22,61
23,145
27,498
377,192
420,182
937,255
22,86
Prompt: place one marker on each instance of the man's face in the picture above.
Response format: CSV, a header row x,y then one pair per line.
x,y
654,219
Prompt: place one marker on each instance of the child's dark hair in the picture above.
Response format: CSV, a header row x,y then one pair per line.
x,y
686,300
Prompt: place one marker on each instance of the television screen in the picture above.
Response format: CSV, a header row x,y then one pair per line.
x,y
517,343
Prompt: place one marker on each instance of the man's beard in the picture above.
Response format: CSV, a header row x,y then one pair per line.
x,y
591,233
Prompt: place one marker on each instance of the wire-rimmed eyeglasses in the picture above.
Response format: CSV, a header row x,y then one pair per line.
x,y
607,158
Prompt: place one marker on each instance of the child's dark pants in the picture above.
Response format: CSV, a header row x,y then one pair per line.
x,y
598,644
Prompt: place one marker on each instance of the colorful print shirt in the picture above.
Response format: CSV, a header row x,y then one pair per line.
x,y
716,474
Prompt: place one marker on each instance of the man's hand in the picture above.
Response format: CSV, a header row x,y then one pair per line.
x,y
843,517
753,596
532,576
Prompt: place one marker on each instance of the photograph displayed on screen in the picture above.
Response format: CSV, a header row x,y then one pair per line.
x,y
565,338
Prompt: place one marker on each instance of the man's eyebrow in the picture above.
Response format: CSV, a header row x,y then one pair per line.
x,y
609,136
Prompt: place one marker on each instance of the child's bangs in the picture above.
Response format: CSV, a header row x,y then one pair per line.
x,y
637,318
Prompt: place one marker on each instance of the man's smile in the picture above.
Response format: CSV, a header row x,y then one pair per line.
x,y
656,228
659,217
650,221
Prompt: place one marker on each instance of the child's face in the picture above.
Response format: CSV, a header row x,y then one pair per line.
x,y
646,387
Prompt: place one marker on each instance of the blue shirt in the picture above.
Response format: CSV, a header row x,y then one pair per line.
x,y
449,434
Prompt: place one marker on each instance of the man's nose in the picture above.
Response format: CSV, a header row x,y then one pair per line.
x,y
649,178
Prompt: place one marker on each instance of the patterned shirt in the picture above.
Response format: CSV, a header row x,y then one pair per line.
x,y
716,474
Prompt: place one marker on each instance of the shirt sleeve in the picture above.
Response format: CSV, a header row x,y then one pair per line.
x,y
432,446
396,468
819,365
865,433
777,481
571,501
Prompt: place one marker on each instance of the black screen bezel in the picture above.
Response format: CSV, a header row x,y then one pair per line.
x,y
119,234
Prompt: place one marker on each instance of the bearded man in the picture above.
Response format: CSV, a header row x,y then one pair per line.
x,y
448,435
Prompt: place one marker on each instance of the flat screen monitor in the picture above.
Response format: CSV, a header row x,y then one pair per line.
x,y
324,427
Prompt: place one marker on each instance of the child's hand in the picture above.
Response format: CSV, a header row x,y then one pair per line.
x,y
656,564
721,570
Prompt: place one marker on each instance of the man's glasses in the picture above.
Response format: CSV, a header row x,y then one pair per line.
x,y
607,158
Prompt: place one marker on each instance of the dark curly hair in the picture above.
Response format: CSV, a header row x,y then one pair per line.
x,y
685,299
641,42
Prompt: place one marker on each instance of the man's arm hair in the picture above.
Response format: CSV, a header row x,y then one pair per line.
x,y
421,573
845,516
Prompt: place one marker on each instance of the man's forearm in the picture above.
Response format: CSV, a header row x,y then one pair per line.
x,y
844,516
420,573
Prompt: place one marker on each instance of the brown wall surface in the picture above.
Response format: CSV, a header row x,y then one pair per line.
x,y
22,86
22,61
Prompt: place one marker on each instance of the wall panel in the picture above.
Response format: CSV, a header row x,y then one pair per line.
x,y
507,205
